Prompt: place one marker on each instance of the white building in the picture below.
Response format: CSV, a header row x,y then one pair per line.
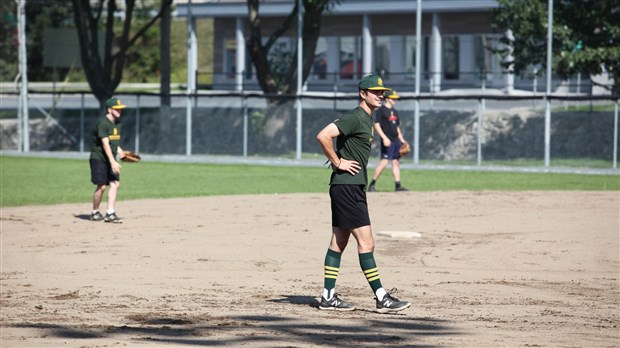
x,y
363,36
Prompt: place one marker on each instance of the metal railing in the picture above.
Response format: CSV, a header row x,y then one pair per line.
x,y
476,130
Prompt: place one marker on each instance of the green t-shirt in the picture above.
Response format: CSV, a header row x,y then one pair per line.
x,y
105,129
353,143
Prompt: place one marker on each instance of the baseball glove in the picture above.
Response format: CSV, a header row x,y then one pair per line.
x,y
130,156
404,149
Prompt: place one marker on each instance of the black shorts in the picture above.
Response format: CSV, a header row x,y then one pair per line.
x,y
101,173
349,206
391,152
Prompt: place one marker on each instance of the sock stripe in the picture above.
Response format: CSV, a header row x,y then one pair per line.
x,y
372,275
375,278
332,268
331,273
371,270
331,276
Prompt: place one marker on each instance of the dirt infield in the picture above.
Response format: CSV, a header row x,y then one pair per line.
x,y
491,269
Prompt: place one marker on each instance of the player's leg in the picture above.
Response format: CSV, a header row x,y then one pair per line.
x,y
396,173
385,302
112,192
380,167
99,177
330,300
343,207
95,215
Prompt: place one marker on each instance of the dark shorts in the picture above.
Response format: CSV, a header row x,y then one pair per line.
x,y
101,173
391,152
349,207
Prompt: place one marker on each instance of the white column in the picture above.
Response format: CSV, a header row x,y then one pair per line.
x,y
23,73
418,70
367,48
549,72
192,64
300,49
436,66
240,61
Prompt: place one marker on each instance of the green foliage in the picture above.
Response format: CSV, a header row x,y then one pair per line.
x,y
142,60
40,15
178,50
586,36
280,61
37,181
143,57
8,41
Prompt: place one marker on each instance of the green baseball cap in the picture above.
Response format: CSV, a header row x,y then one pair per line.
x,y
114,103
391,94
372,82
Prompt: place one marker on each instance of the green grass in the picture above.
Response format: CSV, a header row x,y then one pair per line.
x,y
590,163
44,181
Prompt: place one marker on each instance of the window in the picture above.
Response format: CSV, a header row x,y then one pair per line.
x,y
485,60
230,58
350,57
319,67
410,57
451,58
382,56
426,58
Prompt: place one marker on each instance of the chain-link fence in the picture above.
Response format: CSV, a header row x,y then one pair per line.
x,y
460,130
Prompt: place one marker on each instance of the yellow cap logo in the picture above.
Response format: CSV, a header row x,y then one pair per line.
x,y
380,82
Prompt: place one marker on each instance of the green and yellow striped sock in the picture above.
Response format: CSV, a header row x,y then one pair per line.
x,y
369,267
332,268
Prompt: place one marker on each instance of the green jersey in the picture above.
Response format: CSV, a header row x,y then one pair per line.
x,y
105,129
353,143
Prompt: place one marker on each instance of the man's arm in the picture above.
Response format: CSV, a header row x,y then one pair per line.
x,y
326,139
384,138
400,135
105,142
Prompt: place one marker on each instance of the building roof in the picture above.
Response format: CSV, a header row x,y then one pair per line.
x,y
236,8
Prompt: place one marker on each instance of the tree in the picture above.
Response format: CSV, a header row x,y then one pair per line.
x,y
277,71
40,16
8,41
104,70
586,37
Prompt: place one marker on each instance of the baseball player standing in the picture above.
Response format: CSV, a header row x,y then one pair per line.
x,y
353,132
387,125
104,169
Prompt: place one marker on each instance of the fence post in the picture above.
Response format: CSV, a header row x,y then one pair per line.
x,y
244,104
137,135
479,141
615,164
82,123
335,92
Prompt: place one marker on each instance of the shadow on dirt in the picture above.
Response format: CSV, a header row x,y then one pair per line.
x,y
333,329
82,216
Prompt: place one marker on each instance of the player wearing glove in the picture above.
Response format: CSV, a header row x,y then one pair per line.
x,y
130,156
104,169
393,145
353,133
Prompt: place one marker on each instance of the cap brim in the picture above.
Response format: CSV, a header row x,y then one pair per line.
x,y
119,107
379,89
